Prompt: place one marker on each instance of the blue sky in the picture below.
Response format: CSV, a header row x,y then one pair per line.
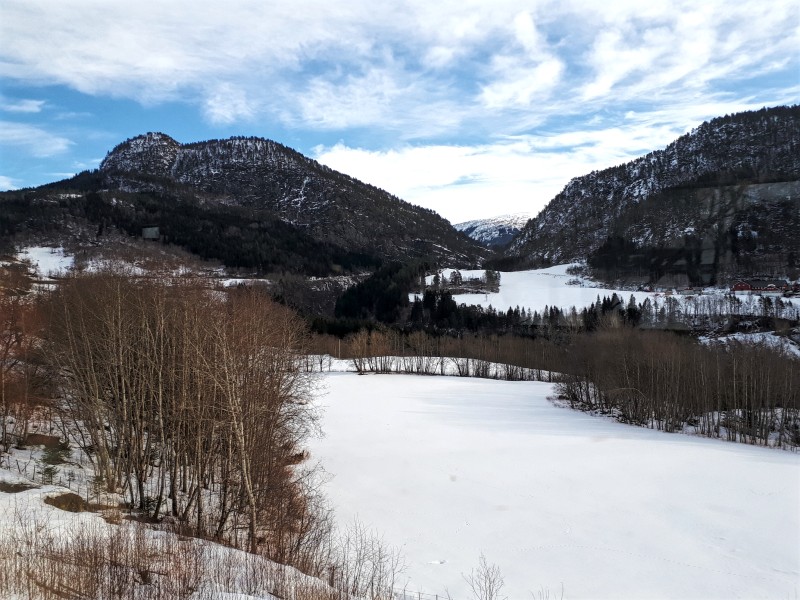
x,y
471,108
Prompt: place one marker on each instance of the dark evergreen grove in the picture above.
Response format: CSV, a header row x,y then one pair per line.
x,y
238,237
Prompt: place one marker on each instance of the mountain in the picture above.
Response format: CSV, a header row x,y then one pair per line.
x,y
261,174
723,198
494,232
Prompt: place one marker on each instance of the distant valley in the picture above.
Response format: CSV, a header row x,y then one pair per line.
x,y
721,201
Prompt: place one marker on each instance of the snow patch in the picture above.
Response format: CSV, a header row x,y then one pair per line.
x,y
47,261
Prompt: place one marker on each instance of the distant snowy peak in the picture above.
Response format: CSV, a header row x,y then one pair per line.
x,y
494,231
153,153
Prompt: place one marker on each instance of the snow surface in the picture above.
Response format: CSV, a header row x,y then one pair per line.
x,y
538,288
553,286
450,467
488,230
47,261
768,339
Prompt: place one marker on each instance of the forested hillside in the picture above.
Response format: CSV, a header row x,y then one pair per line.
x,y
248,202
723,198
261,174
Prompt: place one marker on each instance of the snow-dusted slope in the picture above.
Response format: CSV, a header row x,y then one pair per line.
x,y
257,173
696,186
47,552
495,231
47,261
452,467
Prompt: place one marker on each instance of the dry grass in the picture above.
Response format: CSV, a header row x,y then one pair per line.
x,y
88,559
69,502
15,488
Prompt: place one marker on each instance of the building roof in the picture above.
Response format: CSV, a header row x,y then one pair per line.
x,y
763,284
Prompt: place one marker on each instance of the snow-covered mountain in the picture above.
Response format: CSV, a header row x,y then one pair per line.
x,y
262,174
725,193
494,232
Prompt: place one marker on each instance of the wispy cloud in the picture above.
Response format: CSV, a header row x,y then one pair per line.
x,y
21,106
81,165
464,81
32,140
8,183
336,101
227,103
525,71
330,63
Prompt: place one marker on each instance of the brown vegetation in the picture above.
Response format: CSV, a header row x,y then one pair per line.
x,y
69,502
21,374
744,392
91,560
190,403
740,392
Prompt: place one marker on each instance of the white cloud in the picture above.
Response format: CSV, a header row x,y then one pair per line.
x,y
355,64
504,100
32,140
22,106
8,183
513,175
227,104
520,84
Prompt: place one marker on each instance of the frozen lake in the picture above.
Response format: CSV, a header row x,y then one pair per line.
x,y
448,467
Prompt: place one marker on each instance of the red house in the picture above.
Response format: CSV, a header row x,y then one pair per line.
x,y
771,287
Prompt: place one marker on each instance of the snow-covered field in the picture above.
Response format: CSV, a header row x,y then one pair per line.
x,y
539,288
47,261
768,339
449,468
553,286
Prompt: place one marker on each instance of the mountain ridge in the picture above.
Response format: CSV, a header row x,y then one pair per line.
x,y
494,232
259,173
704,177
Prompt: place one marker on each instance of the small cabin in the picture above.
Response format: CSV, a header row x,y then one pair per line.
x,y
151,233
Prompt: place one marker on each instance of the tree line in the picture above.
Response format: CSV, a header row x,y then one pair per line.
x,y
383,299
656,379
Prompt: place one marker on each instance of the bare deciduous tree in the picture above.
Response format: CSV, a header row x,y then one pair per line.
x,y
192,403
485,581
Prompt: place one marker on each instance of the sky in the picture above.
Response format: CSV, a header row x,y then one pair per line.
x,y
470,108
